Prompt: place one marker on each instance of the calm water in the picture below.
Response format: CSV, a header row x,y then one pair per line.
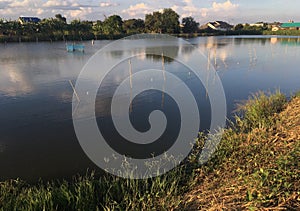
x,y
37,138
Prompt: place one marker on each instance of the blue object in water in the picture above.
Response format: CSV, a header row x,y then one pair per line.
x,y
75,47
70,48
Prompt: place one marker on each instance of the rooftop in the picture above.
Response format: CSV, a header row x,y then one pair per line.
x,y
290,25
30,19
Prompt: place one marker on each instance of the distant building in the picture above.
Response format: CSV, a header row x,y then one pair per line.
x,y
259,24
275,28
24,20
217,25
291,25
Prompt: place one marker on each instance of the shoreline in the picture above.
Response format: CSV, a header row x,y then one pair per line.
x,y
39,38
17,39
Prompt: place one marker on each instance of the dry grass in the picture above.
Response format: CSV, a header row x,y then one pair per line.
x,y
261,173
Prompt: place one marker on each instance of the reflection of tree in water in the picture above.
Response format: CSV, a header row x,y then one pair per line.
x,y
2,147
250,40
289,41
263,41
237,41
155,53
187,49
214,43
116,54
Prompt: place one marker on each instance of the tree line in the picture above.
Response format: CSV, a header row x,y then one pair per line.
x,y
114,26
57,28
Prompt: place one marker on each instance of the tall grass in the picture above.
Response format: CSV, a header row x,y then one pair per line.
x,y
259,109
91,193
105,192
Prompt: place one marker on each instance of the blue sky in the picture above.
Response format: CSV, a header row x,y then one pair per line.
x,y
233,11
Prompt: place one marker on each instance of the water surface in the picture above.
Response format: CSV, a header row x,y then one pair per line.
x,y
37,138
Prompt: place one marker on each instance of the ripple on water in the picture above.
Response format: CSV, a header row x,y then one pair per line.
x,y
2,147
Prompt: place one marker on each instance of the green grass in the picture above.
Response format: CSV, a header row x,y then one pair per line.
x,y
259,109
91,193
287,32
261,174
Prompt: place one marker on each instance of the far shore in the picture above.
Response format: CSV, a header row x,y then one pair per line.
x,y
44,38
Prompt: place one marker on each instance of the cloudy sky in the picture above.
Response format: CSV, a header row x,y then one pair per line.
x,y
233,11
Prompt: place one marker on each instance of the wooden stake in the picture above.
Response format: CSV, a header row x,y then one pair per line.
x,y
74,90
163,65
130,73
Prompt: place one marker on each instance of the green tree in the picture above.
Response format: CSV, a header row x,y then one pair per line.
x,y
132,26
59,17
153,22
113,25
189,25
3,27
55,28
238,27
170,21
14,28
98,28
81,29
165,22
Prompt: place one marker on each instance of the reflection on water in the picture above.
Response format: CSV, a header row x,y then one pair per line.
x,y
2,147
13,82
36,132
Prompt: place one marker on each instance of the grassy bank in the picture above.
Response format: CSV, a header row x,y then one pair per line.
x,y
282,32
257,165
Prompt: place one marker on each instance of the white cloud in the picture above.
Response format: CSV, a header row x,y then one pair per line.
x,y
14,9
224,6
39,11
216,8
52,3
186,8
94,9
138,10
43,9
57,4
21,3
108,4
81,13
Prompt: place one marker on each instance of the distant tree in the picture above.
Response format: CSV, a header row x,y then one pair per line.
x,y
80,28
153,22
3,26
98,28
30,29
61,18
165,22
13,28
134,26
238,27
248,27
149,21
189,25
170,21
113,25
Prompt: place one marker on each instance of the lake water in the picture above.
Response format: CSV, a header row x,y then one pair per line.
x,y
37,138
